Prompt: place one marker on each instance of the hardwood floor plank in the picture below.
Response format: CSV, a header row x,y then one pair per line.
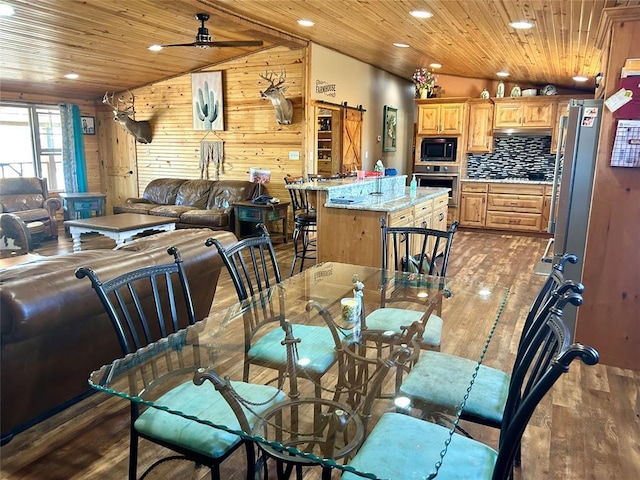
x,y
586,428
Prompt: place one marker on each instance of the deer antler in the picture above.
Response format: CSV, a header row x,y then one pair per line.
x,y
128,104
267,78
108,100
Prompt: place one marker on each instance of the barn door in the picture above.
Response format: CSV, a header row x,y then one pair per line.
x,y
118,157
351,139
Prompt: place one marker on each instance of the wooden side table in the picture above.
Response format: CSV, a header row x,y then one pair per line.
x,y
252,213
75,204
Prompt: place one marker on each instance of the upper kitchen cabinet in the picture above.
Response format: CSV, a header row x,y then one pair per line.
x,y
480,132
441,116
525,113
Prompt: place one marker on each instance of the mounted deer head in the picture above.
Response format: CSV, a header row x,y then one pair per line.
x,y
275,92
122,111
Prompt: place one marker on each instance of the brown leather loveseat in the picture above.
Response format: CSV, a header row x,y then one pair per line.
x,y
195,203
54,329
28,198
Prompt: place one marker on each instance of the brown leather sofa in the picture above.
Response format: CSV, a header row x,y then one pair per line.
x,y
28,198
195,203
54,329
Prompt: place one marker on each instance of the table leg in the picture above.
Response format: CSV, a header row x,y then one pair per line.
x,y
75,235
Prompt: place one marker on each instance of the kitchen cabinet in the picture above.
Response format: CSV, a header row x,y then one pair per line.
x,y
524,113
473,204
515,207
480,130
440,117
505,206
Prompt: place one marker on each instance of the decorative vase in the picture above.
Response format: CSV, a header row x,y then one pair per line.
x,y
424,93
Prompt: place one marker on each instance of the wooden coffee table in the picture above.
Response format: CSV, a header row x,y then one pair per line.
x,y
121,227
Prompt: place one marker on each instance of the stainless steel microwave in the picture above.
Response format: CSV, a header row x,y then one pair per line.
x,y
441,149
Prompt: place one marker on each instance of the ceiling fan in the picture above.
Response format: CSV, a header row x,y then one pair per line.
x,y
203,39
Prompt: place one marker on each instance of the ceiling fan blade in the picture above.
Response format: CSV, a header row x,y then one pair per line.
x,y
231,43
180,45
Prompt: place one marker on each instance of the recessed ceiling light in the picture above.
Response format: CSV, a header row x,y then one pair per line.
x,y
435,65
522,24
580,78
401,45
72,76
306,23
421,14
502,74
6,10
155,48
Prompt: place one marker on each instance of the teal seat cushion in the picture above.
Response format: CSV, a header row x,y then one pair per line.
x,y
316,349
207,404
391,319
401,447
440,379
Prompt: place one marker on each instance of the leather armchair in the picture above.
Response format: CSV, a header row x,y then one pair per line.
x,y
28,198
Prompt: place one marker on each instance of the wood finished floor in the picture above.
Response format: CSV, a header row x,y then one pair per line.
x,y
588,426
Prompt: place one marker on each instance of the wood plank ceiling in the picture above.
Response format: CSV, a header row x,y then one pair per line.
x,y
105,41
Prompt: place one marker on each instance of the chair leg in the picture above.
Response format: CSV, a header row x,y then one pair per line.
x,y
296,237
133,448
251,460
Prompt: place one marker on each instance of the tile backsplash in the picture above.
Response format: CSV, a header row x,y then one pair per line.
x,y
514,156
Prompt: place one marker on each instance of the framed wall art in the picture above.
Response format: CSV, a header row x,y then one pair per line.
x,y
207,101
390,132
88,125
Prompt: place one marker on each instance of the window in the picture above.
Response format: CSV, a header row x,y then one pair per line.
x,y
31,139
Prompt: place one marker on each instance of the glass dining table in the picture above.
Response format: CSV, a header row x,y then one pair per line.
x,y
319,420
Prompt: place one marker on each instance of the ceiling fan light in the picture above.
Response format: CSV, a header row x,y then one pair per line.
x,y
580,78
522,24
72,76
401,45
421,14
6,10
502,74
155,48
306,23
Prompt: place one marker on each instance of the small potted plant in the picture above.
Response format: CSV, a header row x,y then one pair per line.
x,y
424,80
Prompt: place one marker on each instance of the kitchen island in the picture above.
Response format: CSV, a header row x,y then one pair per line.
x,y
349,211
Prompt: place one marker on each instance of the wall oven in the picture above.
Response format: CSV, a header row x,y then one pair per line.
x,y
443,149
440,177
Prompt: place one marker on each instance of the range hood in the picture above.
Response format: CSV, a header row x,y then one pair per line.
x,y
523,132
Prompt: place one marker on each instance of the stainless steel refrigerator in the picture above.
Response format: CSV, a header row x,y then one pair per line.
x,y
572,186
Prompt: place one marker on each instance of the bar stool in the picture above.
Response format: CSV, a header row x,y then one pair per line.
x,y
305,223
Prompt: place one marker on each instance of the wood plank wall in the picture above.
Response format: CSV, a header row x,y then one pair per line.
x,y
251,136
610,317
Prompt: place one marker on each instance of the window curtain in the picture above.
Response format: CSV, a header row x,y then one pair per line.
x,y
73,161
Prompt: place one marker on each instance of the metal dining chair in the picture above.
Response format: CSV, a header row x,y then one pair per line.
x,y
417,250
152,305
252,265
305,225
432,387
398,440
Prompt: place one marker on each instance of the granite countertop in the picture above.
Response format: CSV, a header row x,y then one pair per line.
x,y
328,184
508,180
382,203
